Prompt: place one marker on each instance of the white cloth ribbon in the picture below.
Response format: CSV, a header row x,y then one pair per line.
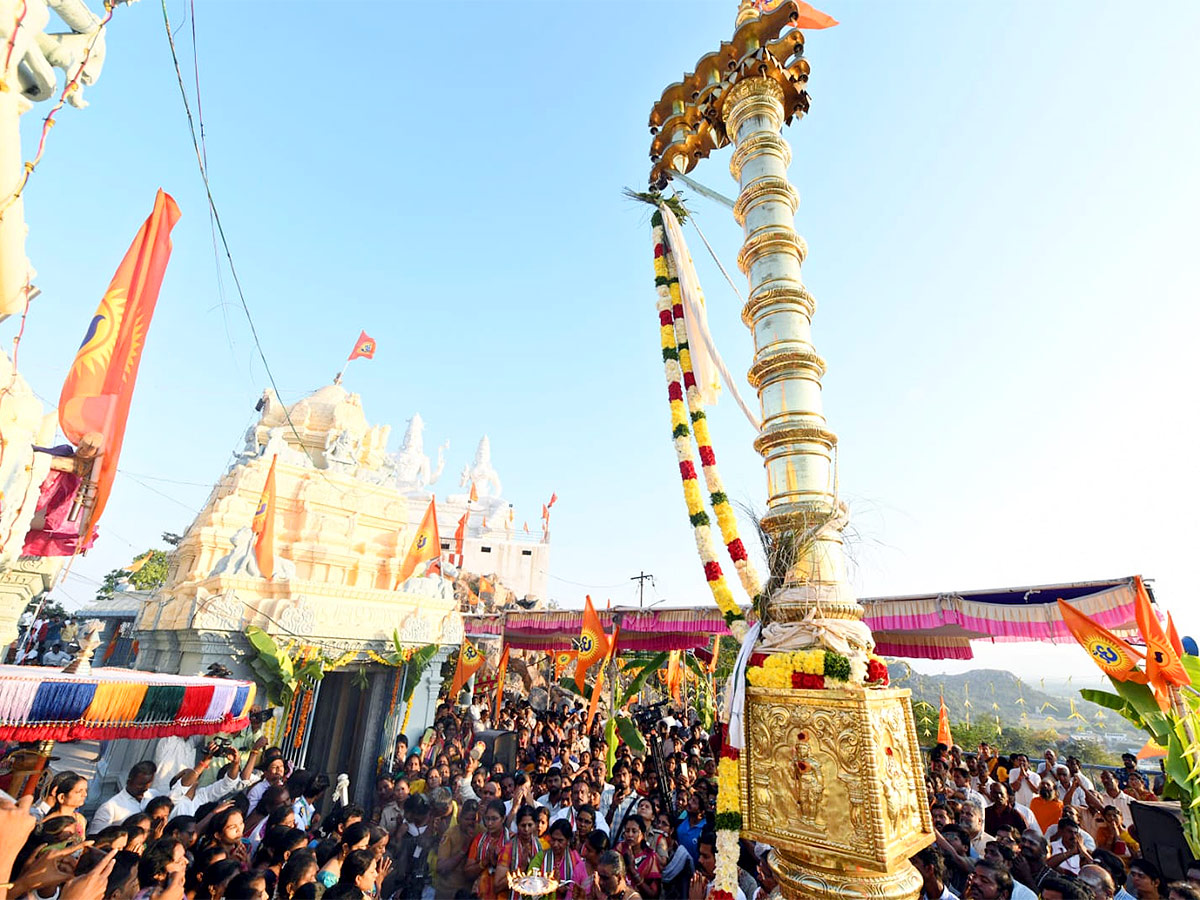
x,y
706,361
735,690
341,793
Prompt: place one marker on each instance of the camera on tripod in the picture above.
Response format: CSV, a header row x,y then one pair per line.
x,y
647,717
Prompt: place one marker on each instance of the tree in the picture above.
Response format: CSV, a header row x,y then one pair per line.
x,y
145,573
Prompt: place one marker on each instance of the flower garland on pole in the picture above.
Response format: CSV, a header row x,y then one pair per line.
x,y
680,378
669,303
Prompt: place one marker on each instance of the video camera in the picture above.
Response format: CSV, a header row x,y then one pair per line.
x,y
647,717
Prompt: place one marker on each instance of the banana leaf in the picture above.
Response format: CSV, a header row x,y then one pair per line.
x,y
416,666
639,680
610,742
630,734
568,684
695,665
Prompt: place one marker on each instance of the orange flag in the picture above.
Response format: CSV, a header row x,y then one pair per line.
x,y
526,528
469,661
716,653
460,535
674,676
553,500
501,672
365,347
98,391
1171,633
944,736
1109,652
592,644
562,659
1163,666
474,494
424,545
263,525
545,513
598,687
486,586
809,18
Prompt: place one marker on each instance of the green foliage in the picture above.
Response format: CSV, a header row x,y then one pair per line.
x,y
275,670
416,666
644,672
50,608
630,734
150,575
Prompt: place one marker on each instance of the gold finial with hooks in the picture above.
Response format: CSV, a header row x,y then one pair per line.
x,y
747,10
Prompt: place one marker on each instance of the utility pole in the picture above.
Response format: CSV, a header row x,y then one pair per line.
x,y
641,579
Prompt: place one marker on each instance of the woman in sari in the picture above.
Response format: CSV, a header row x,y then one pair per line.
x,y
559,860
480,867
523,853
641,862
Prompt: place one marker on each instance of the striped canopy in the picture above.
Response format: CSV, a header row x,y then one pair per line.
x,y
38,703
641,630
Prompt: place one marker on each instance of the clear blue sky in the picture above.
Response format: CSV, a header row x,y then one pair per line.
x,y
999,202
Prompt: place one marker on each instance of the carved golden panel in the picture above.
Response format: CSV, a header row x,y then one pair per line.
x,y
834,776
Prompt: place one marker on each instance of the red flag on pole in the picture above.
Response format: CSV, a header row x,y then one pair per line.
x,y
98,391
263,525
365,347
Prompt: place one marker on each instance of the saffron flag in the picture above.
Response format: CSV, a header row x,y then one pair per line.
x,y
365,347
1163,666
944,736
808,18
486,586
1174,636
469,661
98,391
562,659
500,673
592,643
526,526
545,513
263,525
553,500
460,535
598,687
1109,652
424,545
674,675
474,494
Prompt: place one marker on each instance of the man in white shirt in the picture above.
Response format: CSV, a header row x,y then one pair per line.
x,y
56,656
1075,785
555,799
127,801
1068,853
1023,780
1048,763
615,804
581,795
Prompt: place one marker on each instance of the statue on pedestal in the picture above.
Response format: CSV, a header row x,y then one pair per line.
x,y
481,474
413,472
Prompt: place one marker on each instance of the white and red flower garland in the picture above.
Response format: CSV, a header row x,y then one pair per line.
x,y
681,383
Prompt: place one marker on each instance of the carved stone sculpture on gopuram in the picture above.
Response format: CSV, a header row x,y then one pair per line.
x,y
830,778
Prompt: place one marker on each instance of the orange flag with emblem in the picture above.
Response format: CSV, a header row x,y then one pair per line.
x,y
469,661
592,643
1163,666
562,659
364,347
424,547
1109,652
98,390
263,525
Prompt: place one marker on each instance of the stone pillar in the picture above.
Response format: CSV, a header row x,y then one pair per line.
x,y
796,444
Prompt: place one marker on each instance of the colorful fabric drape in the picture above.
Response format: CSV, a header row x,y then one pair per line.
x,y
98,391
47,704
58,536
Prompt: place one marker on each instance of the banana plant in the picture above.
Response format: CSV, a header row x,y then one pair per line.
x,y
619,723
1174,728
275,670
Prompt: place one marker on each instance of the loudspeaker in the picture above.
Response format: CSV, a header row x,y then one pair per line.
x,y
499,747
1160,833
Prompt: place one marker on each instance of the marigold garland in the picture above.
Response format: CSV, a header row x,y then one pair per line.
x,y
722,509
666,283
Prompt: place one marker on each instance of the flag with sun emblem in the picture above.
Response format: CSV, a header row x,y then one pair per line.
x,y
562,659
98,391
469,660
592,644
263,526
425,545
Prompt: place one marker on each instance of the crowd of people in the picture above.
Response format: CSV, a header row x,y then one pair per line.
x,y
47,640
1007,828
454,818
242,824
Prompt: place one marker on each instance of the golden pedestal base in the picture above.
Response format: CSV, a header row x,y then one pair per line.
x,y
832,779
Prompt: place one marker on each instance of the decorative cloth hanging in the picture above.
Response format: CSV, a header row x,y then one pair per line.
x,y
38,703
